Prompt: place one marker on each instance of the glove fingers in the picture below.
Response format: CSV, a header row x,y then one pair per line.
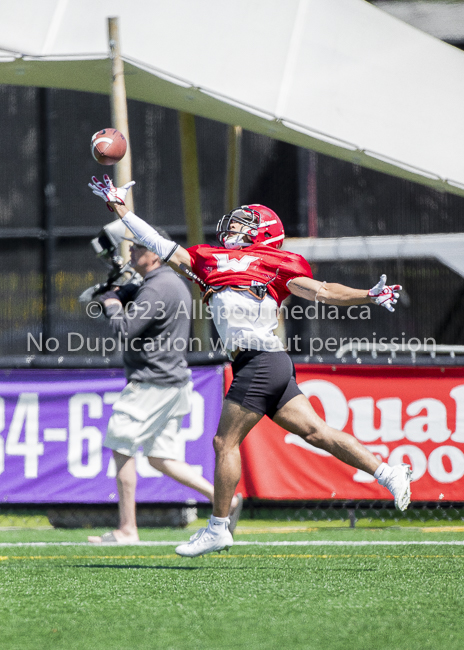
x,y
108,182
384,295
379,287
388,305
98,183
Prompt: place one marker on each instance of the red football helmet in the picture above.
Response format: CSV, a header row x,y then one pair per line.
x,y
259,223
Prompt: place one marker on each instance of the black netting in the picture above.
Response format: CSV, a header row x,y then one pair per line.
x,y
377,513
326,514
356,201
48,216
20,203
76,269
21,294
416,315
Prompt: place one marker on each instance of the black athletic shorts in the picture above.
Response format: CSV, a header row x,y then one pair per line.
x,y
263,381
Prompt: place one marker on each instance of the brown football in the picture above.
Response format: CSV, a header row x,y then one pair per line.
x,y
108,146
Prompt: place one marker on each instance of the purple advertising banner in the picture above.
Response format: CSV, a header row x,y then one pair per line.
x,y
52,428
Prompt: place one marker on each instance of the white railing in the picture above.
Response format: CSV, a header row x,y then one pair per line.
x,y
393,349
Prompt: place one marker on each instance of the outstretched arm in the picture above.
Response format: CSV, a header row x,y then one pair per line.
x,y
168,250
338,294
114,198
328,293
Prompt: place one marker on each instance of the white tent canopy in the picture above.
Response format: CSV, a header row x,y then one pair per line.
x,y
340,77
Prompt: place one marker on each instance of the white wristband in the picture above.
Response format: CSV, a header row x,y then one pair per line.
x,y
150,237
315,297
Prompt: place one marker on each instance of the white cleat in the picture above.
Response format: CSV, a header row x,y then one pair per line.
x,y
399,484
196,535
206,540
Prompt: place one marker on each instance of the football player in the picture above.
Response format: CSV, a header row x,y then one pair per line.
x,y
245,279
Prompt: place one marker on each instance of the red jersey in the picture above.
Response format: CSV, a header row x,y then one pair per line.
x,y
250,266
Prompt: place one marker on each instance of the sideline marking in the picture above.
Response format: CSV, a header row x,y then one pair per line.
x,y
242,543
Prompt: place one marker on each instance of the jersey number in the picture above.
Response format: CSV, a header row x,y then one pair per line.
x,y
235,264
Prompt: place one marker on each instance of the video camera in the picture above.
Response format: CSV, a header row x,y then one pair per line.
x,y
107,246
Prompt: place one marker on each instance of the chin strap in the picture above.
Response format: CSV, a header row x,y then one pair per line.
x,y
235,242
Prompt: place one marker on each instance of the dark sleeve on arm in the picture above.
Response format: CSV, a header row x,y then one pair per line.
x,y
125,293
146,306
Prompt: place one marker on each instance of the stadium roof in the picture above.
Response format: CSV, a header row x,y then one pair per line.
x,y
340,77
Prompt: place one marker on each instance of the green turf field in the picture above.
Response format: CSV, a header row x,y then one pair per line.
x,y
285,585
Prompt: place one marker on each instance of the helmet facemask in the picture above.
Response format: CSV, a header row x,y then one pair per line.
x,y
249,221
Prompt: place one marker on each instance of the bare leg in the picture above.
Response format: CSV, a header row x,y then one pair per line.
x,y
296,416
236,421
299,417
183,473
126,479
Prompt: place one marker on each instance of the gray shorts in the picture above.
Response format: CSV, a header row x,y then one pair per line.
x,y
149,416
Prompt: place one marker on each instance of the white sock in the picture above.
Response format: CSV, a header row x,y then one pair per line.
x,y
382,473
218,521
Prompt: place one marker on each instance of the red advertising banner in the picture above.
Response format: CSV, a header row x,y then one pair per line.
x,y
411,415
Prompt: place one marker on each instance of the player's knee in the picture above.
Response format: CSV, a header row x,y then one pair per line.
x,y
218,444
221,444
314,435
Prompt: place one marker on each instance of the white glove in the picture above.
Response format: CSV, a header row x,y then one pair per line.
x,y
384,295
108,192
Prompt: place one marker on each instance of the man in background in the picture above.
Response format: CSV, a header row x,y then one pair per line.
x,y
150,409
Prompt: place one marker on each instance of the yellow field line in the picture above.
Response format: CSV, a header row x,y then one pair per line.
x,y
325,556
276,529
443,529
243,530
